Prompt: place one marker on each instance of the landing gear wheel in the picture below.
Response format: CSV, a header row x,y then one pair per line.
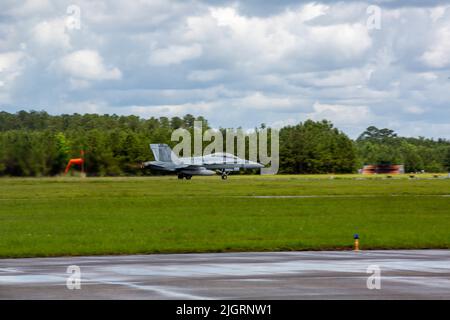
x,y
180,176
188,177
224,176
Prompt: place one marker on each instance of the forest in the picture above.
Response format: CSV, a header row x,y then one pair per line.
x,y
35,143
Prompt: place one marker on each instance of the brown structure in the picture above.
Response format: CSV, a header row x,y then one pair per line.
x,y
383,169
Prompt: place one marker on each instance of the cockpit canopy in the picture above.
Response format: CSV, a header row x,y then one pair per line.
x,y
223,155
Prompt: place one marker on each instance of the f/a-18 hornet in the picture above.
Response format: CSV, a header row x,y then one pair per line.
x,y
223,163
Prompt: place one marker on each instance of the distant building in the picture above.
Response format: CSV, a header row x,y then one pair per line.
x,y
383,169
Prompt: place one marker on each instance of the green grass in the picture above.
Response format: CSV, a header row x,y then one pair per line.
x,y
73,216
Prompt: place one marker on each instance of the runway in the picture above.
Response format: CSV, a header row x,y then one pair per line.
x,y
404,274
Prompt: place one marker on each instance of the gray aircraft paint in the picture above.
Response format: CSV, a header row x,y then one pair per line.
x,y
222,163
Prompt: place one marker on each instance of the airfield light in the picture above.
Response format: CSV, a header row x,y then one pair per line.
x,y
356,237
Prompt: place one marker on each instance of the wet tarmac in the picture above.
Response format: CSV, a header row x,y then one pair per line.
x,y
403,274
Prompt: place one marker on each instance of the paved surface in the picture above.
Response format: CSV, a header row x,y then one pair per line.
x,y
418,274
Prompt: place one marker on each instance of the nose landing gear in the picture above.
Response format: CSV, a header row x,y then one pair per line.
x,y
224,174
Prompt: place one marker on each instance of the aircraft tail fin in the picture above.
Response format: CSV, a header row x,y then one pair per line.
x,y
163,153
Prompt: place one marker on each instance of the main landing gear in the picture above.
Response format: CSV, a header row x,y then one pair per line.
x,y
187,176
224,175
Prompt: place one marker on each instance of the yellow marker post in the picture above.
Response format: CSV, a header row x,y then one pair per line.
x,y
356,247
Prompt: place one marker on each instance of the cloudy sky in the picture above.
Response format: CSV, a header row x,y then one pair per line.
x,y
238,63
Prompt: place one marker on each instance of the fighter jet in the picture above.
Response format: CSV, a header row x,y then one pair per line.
x,y
222,163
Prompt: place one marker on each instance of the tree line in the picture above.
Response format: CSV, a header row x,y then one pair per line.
x,y
38,144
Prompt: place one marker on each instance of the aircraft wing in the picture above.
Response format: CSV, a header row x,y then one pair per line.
x,y
189,167
194,169
170,166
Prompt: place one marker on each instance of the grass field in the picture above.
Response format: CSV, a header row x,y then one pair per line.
x,y
75,216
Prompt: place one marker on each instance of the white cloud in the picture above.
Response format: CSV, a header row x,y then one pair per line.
x,y
9,61
414,110
171,110
32,7
437,12
421,128
428,76
205,75
260,101
345,40
175,54
312,10
78,84
342,115
283,123
10,66
237,63
278,41
335,78
88,65
438,55
89,106
50,34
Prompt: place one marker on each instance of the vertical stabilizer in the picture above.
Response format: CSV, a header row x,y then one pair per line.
x,y
163,153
